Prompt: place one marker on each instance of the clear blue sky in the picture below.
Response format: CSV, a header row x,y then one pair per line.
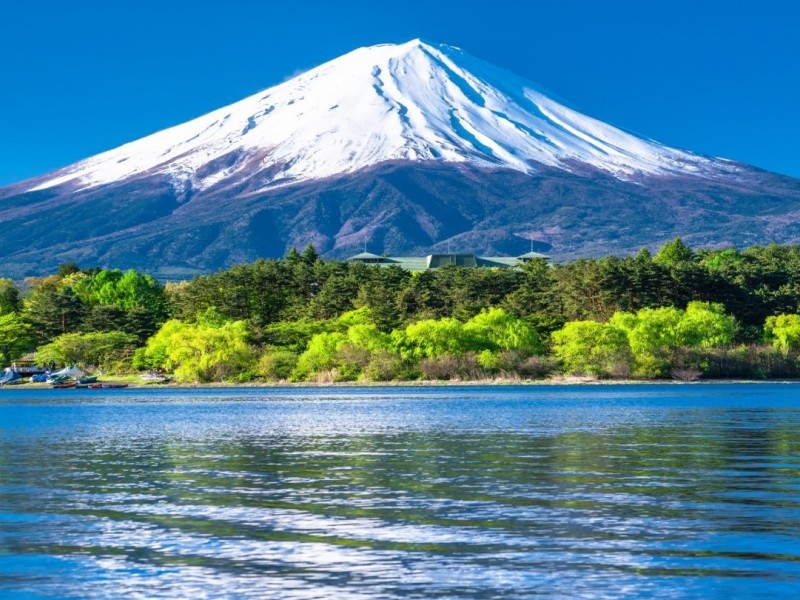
x,y
713,76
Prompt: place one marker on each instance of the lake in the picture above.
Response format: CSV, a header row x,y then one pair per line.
x,y
609,491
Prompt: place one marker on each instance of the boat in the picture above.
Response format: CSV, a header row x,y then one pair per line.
x,y
60,385
88,379
106,386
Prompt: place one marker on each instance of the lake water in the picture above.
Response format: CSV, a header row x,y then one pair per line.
x,y
636,491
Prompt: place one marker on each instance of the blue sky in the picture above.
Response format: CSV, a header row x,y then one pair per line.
x,y
717,77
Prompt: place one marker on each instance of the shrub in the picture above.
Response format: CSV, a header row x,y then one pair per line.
x,y
386,366
592,348
439,367
321,355
276,364
537,367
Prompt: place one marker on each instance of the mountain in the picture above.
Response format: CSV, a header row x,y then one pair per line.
x,y
408,148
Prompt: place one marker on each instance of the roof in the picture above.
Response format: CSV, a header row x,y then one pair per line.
x,y
366,256
532,255
434,261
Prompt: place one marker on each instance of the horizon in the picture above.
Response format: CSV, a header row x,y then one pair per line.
x,y
742,114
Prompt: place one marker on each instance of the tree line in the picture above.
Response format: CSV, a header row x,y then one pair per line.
x,y
679,313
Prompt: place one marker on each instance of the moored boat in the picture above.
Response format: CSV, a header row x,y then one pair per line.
x,y
60,385
106,386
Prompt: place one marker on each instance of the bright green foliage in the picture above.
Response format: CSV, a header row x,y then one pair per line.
x,y
109,349
355,354
15,338
321,355
728,260
500,330
208,350
673,253
783,332
343,322
655,334
124,290
705,325
488,361
368,337
593,348
434,337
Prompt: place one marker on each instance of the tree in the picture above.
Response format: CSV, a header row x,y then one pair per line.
x,y
783,332
15,338
321,355
310,254
213,349
656,334
9,297
431,337
52,308
674,252
500,330
653,336
705,325
593,348
107,349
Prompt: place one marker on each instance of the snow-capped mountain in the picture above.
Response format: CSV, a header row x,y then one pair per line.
x,y
412,101
410,148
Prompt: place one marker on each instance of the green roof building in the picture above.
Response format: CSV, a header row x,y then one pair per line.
x,y
435,261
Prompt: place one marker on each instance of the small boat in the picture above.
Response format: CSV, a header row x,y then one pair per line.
x,y
88,379
61,385
106,386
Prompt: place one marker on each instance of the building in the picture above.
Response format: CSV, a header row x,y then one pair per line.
x,y
434,261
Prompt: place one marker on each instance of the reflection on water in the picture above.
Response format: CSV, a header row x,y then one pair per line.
x,y
595,492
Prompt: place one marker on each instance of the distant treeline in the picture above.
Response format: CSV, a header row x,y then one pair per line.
x,y
681,314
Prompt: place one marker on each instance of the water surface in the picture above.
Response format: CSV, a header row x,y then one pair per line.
x,y
471,492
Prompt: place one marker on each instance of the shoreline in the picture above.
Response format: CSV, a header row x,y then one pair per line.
x,y
561,381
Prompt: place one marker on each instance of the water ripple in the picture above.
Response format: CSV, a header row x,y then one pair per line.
x,y
599,492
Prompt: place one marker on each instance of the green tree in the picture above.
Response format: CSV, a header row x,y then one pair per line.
x,y
52,308
9,297
107,349
433,337
500,330
212,349
310,254
783,332
593,348
656,334
320,355
674,252
15,338
705,325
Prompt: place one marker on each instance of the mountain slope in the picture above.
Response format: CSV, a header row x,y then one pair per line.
x,y
412,101
402,146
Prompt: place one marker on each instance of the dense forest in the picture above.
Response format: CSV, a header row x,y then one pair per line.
x,y
677,314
